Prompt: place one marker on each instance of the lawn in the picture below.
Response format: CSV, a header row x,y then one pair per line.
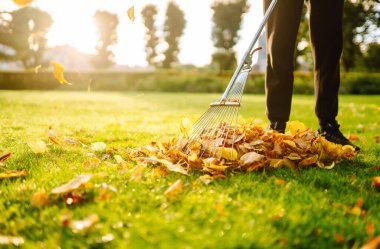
x,y
316,208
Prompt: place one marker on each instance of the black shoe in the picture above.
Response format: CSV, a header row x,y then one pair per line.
x,y
333,134
278,126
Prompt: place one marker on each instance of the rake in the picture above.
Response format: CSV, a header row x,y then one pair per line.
x,y
216,128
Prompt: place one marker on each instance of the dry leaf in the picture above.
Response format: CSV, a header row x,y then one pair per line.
x,y
5,157
376,182
37,146
40,199
72,184
206,179
58,73
219,208
339,238
92,162
186,127
280,182
11,240
175,188
52,136
118,159
12,174
296,127
98,146
131,13
250,158
84,225
22,2
372,244
227,153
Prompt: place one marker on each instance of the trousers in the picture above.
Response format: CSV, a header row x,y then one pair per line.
x,y
326,36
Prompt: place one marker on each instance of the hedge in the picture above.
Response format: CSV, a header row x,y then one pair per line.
x,y
176,81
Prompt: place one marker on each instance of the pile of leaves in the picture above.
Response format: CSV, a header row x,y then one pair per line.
x,y
244,147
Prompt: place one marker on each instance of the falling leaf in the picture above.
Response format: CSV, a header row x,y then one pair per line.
x,y
131,13
58,73
175,188
186,127
22,2
376,182
5,157
84,225
11,240
37,146
72,184
12,174
40,199
98,146
372,244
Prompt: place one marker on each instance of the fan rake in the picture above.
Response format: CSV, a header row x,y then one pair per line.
x,y
217,128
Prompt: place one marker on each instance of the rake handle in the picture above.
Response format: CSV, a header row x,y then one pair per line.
x,y
248,52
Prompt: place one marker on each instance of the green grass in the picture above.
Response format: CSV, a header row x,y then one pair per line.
x,y
141,216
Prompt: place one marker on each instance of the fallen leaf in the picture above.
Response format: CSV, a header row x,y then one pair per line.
x,y
118,159
11,240
353,138
53,136
131,13
175,188
296,127
370,229
12,174
250,158
72,184
374,167
40,199
221,168
206,179
92,162
37,146
84,225
280,182
58,73
376,182
5,157
186,127
98,146
227,153
372,244
138,172
219,208
22,2
339,238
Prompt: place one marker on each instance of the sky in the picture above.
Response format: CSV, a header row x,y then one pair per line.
x,y
73,25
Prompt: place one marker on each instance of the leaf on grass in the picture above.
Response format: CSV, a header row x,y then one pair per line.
x,y
11,240
175,188
186,127
138,172
118,159
84,225
280,182
72,184
206,179
372,244
220,168
353,138
339,238
219,208
40,199
370,229
296,127
58,73
5,157
98,146
92,162
12,174
131,13
37,146
376,182
22,2
53,136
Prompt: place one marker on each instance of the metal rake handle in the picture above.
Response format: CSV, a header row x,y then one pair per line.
x,y
248,52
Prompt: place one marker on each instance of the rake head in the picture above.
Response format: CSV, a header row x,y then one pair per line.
x,y
216,129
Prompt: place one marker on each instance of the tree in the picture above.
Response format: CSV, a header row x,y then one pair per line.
x,y
149,13
173,29
372,57
23,32
106,24
227,18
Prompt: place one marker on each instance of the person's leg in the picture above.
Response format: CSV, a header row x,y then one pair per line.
x,y
326,34
281,34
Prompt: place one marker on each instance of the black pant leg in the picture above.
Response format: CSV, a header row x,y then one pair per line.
x,y
327,41
281,34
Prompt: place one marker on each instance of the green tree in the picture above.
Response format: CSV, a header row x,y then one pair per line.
x,y
23,32
173,29
227,18
106,24
372,57
149,13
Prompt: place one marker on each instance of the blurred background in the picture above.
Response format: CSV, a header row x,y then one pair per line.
x,y
164,45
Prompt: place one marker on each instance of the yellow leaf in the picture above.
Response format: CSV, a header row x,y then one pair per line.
x,y
40,199
290,143
193,157
12,174
37,146
118,159
131,13
58,73
72,184
175,188
22,2
376,182
217,167
227,153
186,127
92,162
296,127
